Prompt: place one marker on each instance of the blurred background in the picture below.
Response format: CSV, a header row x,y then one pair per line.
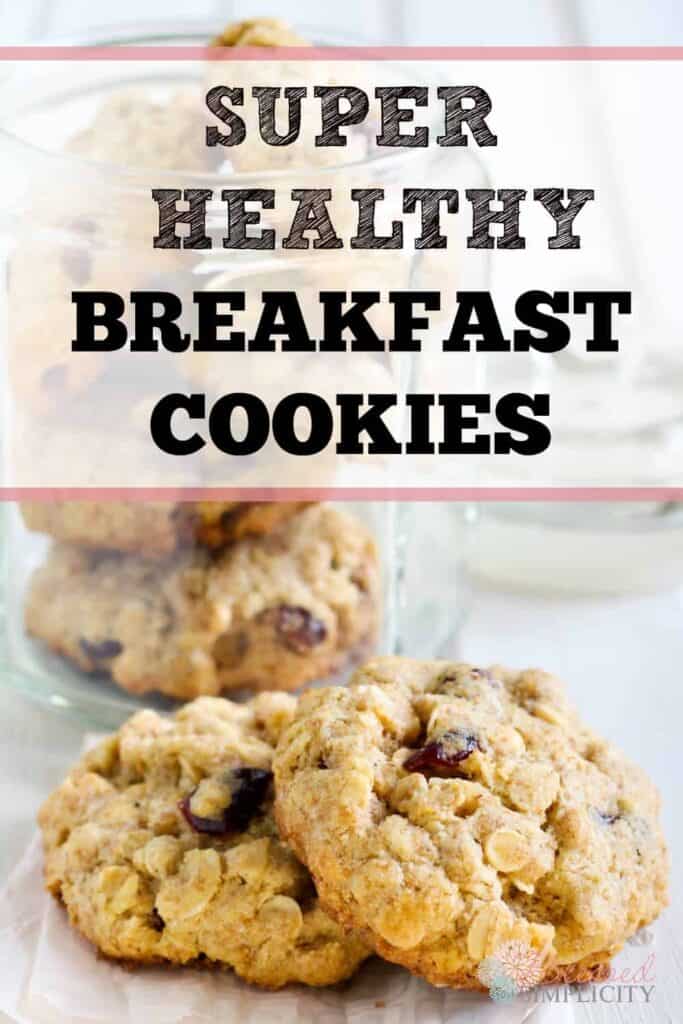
x,y
489,22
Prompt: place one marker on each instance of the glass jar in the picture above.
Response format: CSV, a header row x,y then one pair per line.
x,y
135,602
578,548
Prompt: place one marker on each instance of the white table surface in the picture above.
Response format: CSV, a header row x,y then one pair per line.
x,y
621,658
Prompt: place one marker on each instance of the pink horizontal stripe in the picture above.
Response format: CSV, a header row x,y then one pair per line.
x,y
47,494
342,53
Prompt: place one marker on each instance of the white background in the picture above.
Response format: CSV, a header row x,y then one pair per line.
x,y
447,22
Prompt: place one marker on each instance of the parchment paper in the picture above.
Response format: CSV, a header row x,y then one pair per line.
x,y
50,975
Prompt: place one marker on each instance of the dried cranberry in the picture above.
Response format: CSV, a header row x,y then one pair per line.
x,y
231,517
297,628
156,920
248,787
443,754
100,650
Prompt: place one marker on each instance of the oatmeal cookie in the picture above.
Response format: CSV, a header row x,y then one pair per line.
x,y
447,812
162,846
271,612
134,128
155,528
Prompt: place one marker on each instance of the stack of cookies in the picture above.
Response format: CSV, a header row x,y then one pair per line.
x,y
199,598
458,821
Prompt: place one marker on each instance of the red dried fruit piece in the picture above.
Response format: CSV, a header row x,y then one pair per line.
x,y
156,920
100,650
298,630
248,788
444,754
231,517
